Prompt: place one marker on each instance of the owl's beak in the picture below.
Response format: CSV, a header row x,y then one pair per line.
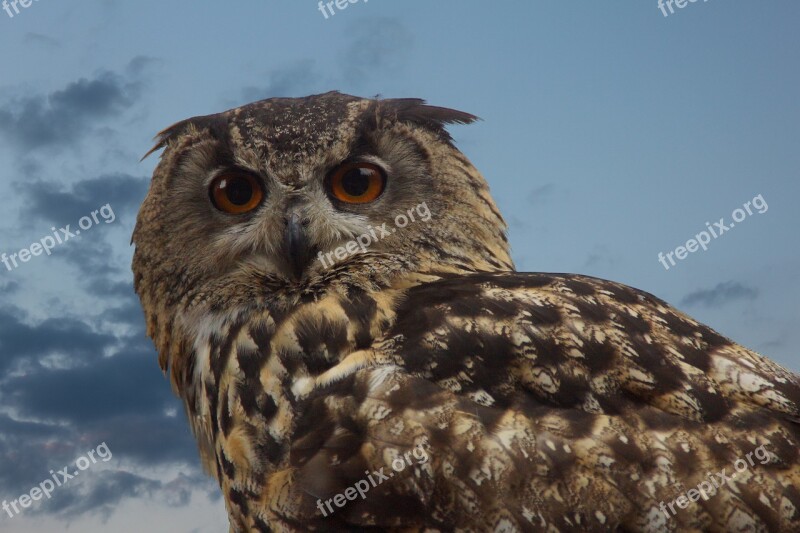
x,y
298,248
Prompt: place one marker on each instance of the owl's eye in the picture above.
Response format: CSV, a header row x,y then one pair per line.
x,y
357,183
236,194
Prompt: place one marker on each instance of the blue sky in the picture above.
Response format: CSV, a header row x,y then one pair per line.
x,y
609,133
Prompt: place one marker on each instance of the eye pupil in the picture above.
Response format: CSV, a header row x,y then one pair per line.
x,y
236,193
356,182
239,191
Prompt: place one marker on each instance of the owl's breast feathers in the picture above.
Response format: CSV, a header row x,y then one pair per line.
x,y
528,402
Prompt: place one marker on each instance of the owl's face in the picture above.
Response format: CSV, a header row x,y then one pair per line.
x,y
293,195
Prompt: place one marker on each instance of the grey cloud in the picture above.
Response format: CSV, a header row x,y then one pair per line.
x,y
9,287
298,79
128,383
101,492
63,117
40,39
600,256
64,336
139,65
723,293
378,44
50,201
368,51
91,251
541,194
124,398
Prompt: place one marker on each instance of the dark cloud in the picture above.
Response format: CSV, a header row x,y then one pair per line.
x,y
100,492
91,252
600,257
106,288
723,293
69,383
299,79
541,194
27,430
110,487
40,39
28,450
376,45
63,117
52,202
367,52
73,395
139,65
66,337
129,383
153,440
128,311
9,287
516,222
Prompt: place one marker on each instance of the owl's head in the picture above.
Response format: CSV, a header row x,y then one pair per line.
x,y
296,196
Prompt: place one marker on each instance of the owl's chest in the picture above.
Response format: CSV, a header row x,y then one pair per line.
x,y
247,369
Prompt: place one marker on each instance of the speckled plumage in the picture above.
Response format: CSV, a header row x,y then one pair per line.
x,y
543,402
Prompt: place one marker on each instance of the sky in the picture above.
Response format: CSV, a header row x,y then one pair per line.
x,y
609,134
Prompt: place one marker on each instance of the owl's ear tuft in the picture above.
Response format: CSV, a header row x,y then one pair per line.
x,y
214,124
416,111
163,137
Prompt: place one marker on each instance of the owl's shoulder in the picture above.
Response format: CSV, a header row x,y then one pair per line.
x,y
582,342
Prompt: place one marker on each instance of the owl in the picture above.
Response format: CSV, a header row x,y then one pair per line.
x,y
328,284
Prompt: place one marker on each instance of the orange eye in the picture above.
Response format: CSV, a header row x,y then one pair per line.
x,y
236,193
357,183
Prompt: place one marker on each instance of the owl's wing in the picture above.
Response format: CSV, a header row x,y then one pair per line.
x,y
558,403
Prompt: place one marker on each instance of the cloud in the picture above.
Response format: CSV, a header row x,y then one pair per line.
x,y
59,206
65,116
100,492
600,256
9,287
722,294
66,337
40,39
103,387
298,79
367,52
61,394
111,487
541,194
516,222
139,65
377,44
